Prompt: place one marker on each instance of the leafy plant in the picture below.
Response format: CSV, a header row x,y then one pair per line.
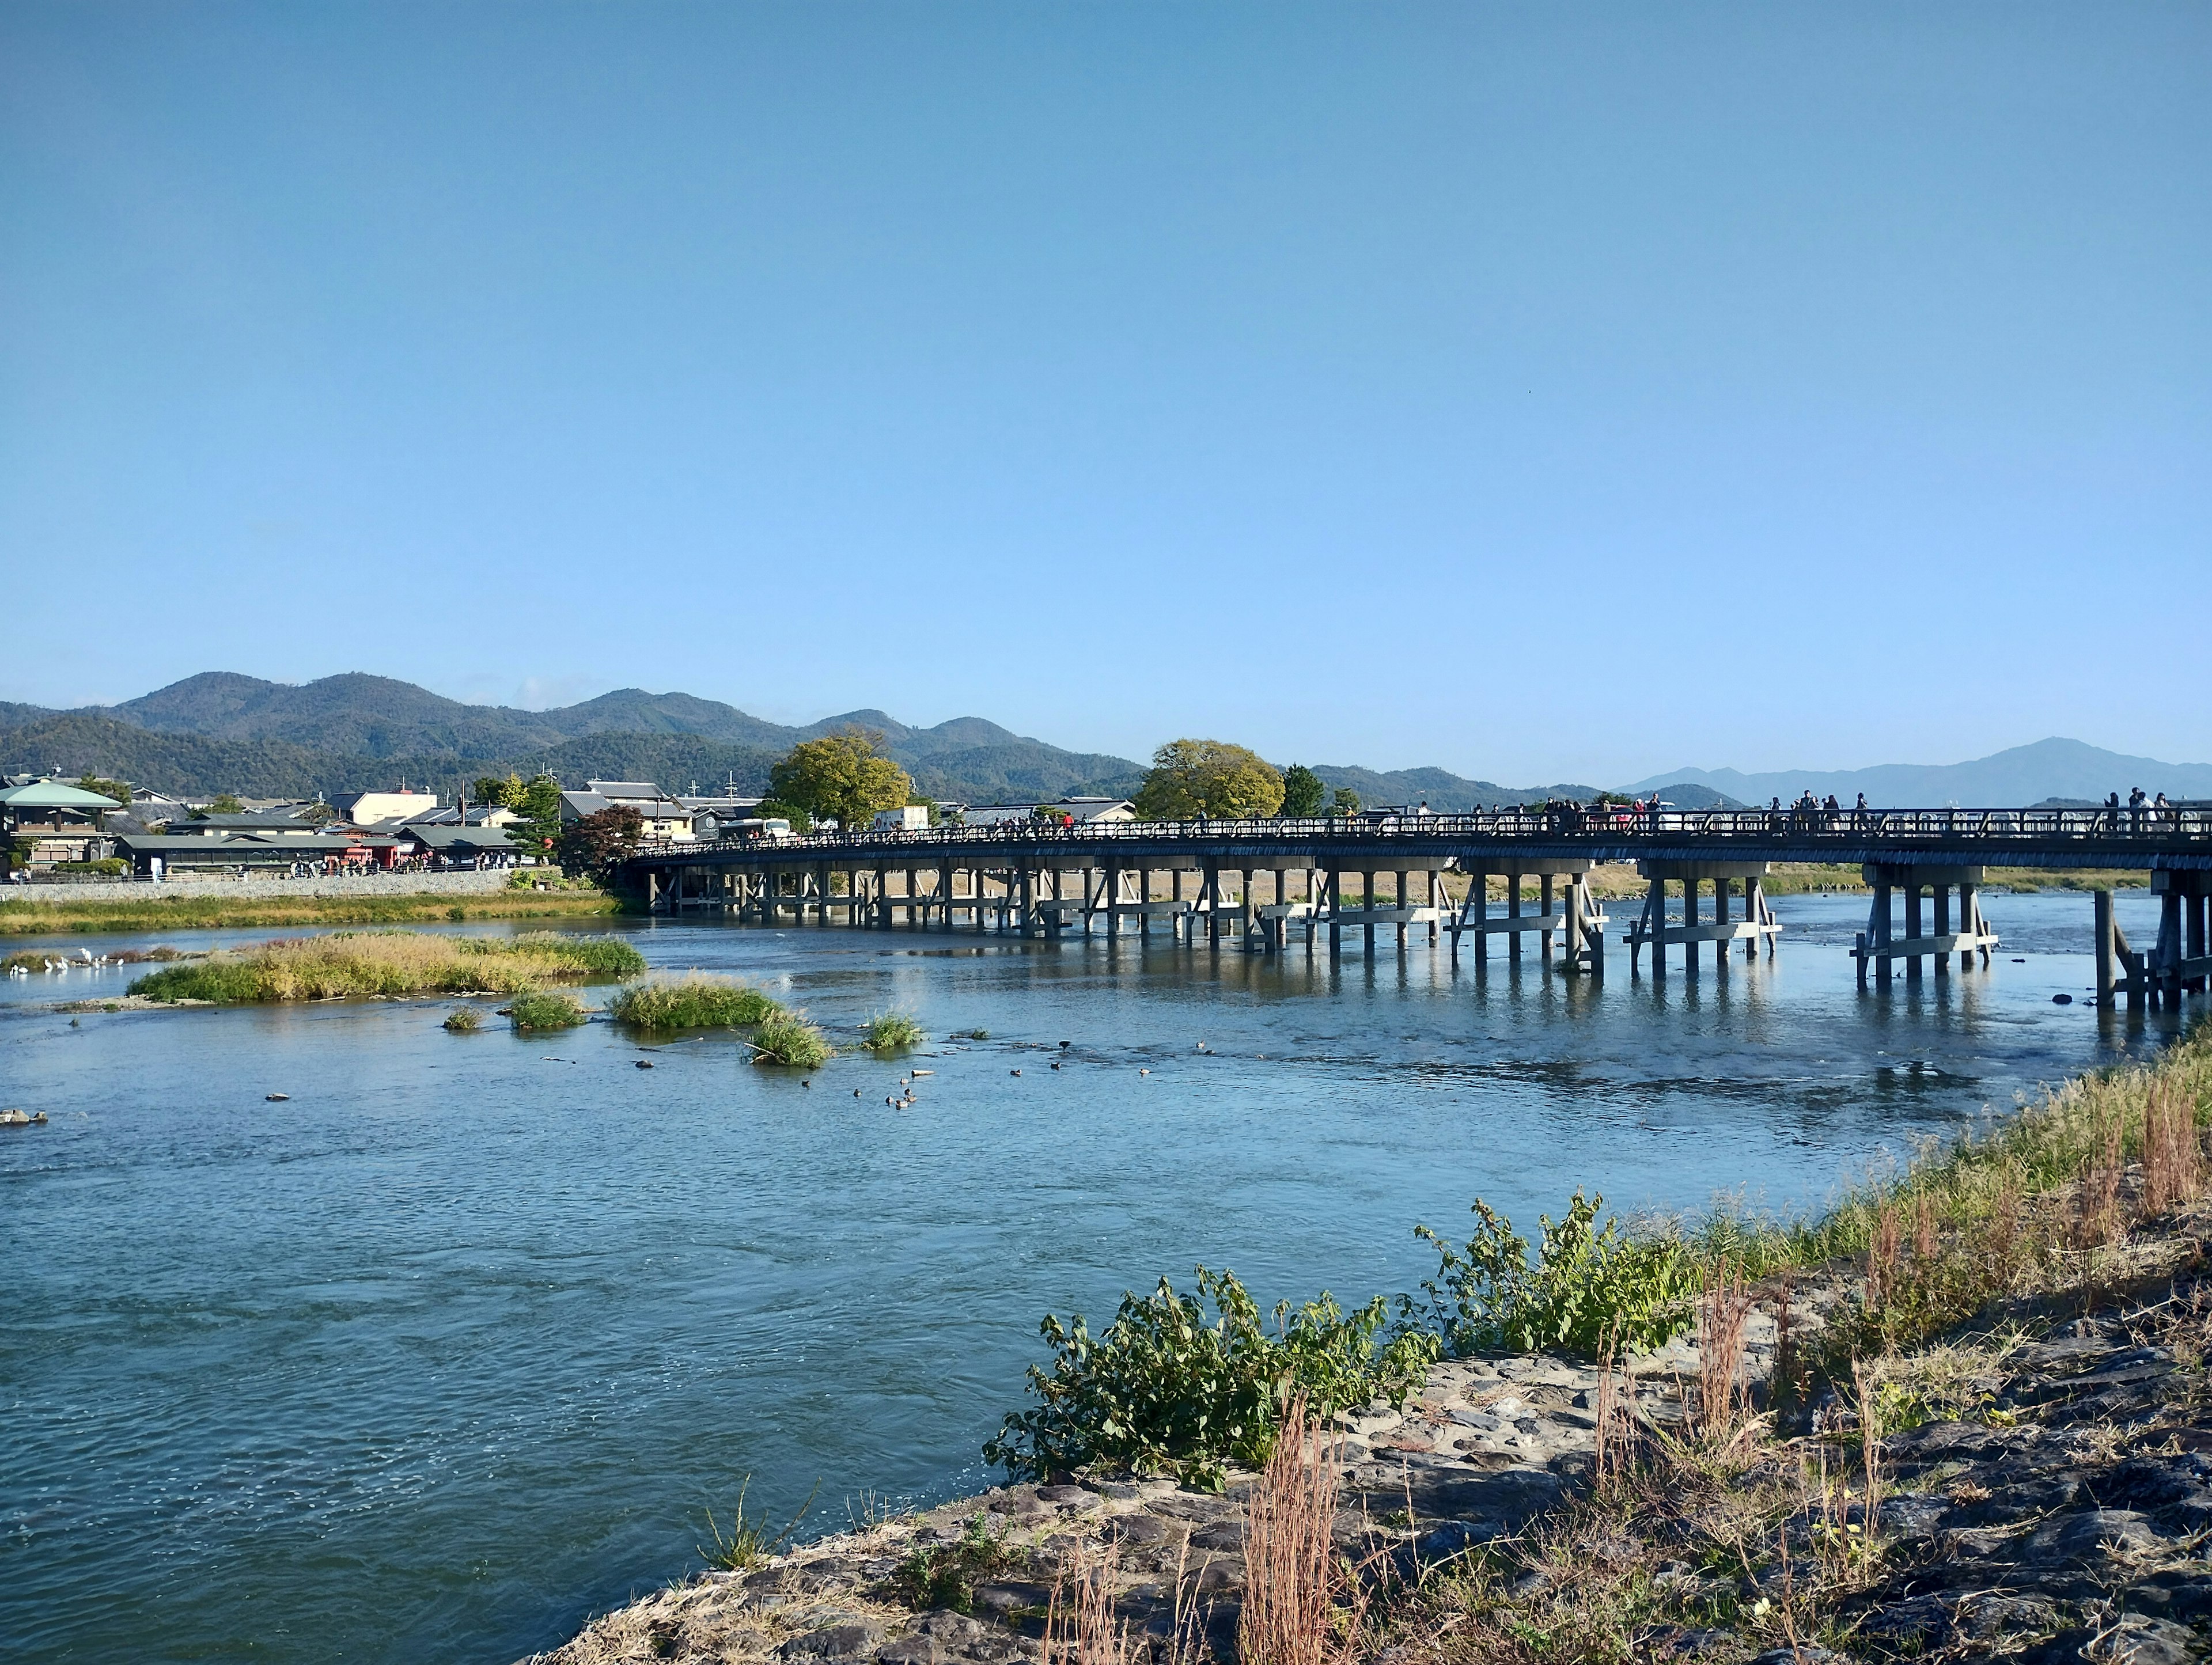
x,y
785,1037
543,1010
893,1030
692,1003
1165,1388
464,1020
749,1539
1585,1283
946,1575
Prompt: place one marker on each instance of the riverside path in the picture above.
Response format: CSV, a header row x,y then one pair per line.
x,y
1265,886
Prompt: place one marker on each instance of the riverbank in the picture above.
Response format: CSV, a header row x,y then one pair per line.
x,y
183,909
1965,1413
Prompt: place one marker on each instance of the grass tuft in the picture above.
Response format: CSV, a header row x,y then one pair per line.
x,y
787,1037
544,1009
751,1538
692,1003
464,1020
893,1032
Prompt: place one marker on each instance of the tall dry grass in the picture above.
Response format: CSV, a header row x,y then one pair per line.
x,y
1724,1310
1302,1602
371,962
2173,1157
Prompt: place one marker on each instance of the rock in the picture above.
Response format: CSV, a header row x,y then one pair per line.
x,y
1138,1529
1228,1535
2135,1640
908,1650
844,1640
2089,1536
1012,1596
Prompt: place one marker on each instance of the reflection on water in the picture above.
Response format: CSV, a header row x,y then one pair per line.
x,y
460,1340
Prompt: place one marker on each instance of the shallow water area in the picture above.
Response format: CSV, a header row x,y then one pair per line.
x,y
458,1341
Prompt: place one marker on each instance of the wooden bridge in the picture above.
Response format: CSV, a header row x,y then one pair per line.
x,y
1265,886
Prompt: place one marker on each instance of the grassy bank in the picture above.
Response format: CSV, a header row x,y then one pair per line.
x,y
42,917
390,963
777,1034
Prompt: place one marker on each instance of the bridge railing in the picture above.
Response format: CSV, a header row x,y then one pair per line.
x,y
2188,823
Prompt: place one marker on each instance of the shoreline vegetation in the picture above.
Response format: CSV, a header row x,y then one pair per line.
x,y
22,917
1959,1412
349,963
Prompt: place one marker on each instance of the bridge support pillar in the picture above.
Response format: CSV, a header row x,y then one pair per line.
x,y
1880,946
1569,910
2180,962
1757,925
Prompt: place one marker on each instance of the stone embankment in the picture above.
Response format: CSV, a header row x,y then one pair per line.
x,y
106,892
1486,1447
2054,1506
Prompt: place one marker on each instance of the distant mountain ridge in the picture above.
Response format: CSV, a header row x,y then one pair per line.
x,y
2020,775
224,731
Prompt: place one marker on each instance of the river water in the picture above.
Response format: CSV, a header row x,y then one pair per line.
x,y
457,1344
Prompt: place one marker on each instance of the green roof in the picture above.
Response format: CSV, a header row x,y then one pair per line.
x,y
54,795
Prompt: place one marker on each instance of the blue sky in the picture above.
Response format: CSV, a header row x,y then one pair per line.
x,y
1546,392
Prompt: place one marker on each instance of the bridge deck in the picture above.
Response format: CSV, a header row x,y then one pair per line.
x,y
2163,838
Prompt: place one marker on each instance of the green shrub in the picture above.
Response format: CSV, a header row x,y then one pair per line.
x,y
785,1037
692,1003
1163,1389
543,1010
229,982
1586,1285
946,1575
893,1031
464,1020
35,960
112,866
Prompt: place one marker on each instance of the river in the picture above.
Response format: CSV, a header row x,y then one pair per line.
x,y
458,1342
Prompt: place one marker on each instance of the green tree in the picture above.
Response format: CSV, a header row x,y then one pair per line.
x,y
1191,778
1302,792
844,776
118,790
539,806
1345,802
225,804
490,791
593,844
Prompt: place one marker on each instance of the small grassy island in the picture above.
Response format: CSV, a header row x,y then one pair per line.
x,y
390,963
779,1035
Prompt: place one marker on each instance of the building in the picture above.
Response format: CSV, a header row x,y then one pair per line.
x,y
908,818
157,855
664,817
713,815
452,845
376,809
1077,810
54,821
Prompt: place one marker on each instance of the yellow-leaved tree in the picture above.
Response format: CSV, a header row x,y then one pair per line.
x,y
1191,778
845,776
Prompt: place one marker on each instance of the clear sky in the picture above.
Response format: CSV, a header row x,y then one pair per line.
x,y
1545,391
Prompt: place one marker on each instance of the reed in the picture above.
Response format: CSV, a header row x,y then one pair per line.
x,y
543,1009
694,1002
787,1037
893,1032
1301,1603
1724,1310
388,962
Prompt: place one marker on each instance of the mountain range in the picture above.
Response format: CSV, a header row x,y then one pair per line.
x,y
223,732
2022,774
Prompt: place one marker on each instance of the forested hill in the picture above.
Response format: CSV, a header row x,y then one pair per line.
x,y
223,731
